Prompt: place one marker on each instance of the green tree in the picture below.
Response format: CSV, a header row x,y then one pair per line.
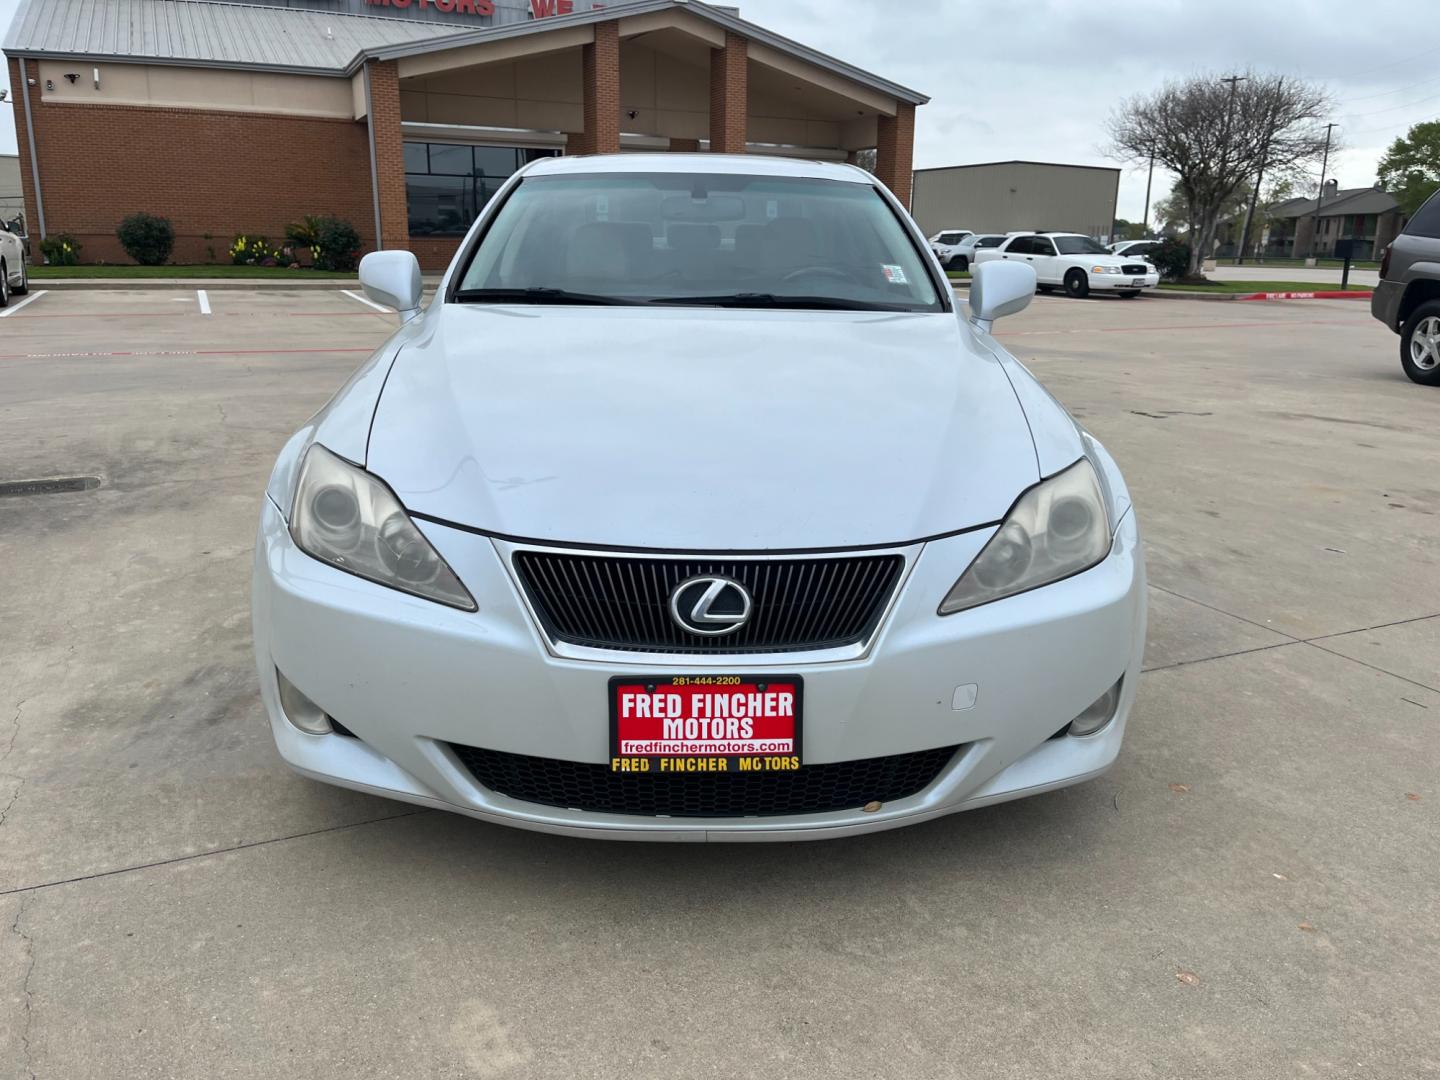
x,y
1410,169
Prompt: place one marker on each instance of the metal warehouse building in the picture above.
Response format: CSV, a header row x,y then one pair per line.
x,y
402,116
1007,196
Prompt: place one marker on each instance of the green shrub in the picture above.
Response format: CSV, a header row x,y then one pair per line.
x,y
147,239
60,249
253,251
304,233
1172,259
336,246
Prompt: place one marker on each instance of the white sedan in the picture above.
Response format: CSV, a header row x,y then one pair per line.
x,y
14,273
674,517
1074,263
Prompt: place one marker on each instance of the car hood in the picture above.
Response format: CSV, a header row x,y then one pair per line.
x,y
701,429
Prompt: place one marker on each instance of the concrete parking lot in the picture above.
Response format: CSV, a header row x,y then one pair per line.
x,y
1249,893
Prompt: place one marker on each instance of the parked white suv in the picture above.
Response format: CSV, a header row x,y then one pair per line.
x,y
1075,263
14,275
946,244
965,251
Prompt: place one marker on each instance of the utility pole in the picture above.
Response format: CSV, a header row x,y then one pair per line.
x,y
1320,195
1234,81
1145,220
1255,194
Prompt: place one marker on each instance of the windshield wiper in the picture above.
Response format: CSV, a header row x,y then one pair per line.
x,y
774,300
540,295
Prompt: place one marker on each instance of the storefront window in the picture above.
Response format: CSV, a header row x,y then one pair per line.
x,y
447,184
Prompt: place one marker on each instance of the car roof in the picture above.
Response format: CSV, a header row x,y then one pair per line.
x,y
733,164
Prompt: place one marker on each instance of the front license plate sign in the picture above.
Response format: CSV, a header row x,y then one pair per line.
x,y
1137,281
705,723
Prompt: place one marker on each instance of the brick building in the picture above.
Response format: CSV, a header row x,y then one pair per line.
x,y
402,116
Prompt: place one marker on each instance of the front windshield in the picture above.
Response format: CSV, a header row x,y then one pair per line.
x,y
1080,245
698,238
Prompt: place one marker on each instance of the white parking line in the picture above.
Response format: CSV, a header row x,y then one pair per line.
x,y
204,299
367,303
16,307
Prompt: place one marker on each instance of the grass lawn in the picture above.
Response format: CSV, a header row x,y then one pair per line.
x,y
1263,286
958,275
44,273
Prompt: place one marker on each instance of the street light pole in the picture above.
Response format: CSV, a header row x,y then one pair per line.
x,y
1320,195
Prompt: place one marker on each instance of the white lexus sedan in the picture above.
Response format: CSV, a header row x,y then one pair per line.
x,y
694,507
14,273
1075,263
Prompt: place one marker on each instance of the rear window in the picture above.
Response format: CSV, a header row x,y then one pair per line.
x,y
989,241
1426,221
699,238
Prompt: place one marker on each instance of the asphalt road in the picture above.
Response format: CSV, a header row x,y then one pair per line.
x,y
1249,893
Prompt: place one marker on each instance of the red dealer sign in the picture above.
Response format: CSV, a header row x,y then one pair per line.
x,y
540,9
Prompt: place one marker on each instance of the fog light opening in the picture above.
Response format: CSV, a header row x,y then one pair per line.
x,y
1100,712
302,713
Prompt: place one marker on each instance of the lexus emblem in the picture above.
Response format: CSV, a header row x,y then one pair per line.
x,y
710,605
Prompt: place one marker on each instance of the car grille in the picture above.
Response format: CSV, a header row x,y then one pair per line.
x,y
613,602
1134,268
813,789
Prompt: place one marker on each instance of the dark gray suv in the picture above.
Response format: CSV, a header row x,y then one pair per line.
x,y
1408,297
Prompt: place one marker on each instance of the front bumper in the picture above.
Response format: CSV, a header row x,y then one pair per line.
x,y
409,677
1123,282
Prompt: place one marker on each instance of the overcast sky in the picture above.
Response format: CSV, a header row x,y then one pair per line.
x,y
1035,79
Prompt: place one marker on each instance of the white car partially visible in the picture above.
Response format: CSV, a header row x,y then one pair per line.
x,y
965,251
1074,263
14,274
946,244
1135,249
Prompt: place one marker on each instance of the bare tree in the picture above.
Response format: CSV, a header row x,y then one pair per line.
x,y
1216,135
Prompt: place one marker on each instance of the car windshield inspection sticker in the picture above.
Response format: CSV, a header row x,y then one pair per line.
x,y
895,275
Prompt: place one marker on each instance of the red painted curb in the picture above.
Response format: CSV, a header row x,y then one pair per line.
x,y
1333,294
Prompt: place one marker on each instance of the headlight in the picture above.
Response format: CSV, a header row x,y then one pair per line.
x,y
347,518
1057,528
1106,270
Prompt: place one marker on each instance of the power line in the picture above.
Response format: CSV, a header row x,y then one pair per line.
x,y
1391,65
1430,101
1397,90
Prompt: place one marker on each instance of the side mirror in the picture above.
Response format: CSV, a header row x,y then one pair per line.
x,y
392,278
998,289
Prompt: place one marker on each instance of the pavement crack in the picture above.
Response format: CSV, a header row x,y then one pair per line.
x,y
14,730
26,995
1372,667
1181,596
14,796
1220,656
10,749
1377,626
23,889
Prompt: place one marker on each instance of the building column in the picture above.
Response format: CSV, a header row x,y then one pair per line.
x,y
22,139
389,147
895,152
600,84
730,95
